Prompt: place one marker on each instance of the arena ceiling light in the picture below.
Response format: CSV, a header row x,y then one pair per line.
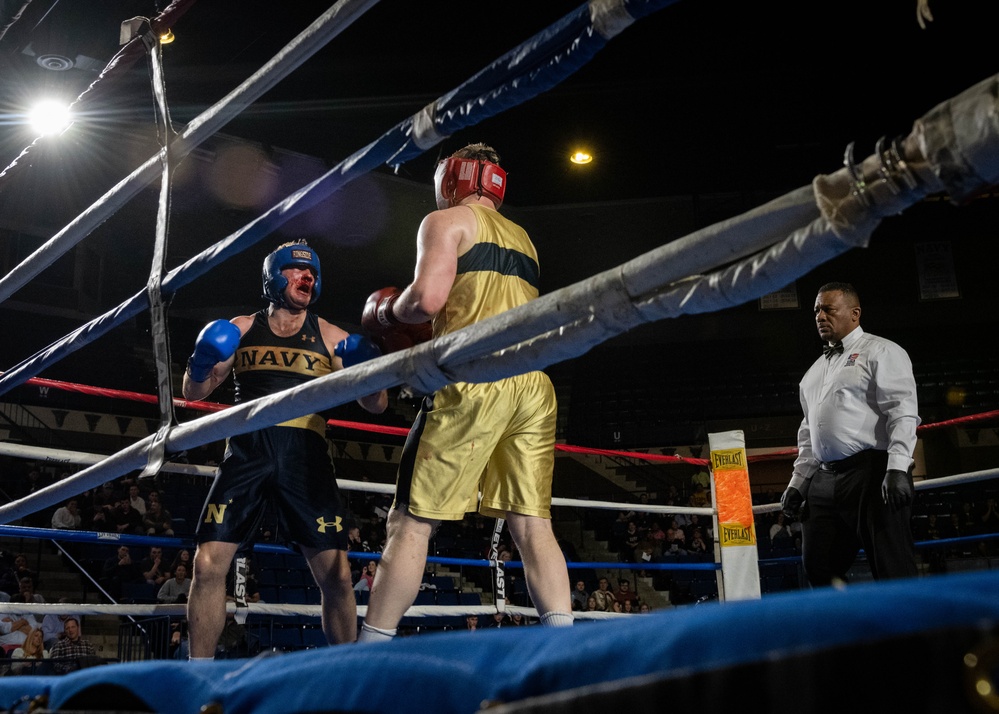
x,y
580,157
49,117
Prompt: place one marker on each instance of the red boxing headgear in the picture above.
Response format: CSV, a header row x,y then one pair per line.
x,y
458,178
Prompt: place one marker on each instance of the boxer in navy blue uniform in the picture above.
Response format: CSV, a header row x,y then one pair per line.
x,y
287,465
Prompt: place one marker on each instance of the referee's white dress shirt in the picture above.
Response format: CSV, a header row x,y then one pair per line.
x,y
864,398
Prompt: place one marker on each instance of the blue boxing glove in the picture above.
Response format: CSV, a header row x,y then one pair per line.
x,y
354,349
216,343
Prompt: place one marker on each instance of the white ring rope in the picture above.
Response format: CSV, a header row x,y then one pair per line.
x,y
63,456
275,609
291,610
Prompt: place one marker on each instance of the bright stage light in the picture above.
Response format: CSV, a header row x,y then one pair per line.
x,y
49,117
580,157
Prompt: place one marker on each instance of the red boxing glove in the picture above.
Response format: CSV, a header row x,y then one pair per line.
x,y
402,337
384,327
377,317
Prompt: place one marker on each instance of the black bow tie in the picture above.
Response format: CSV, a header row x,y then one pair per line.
x,y
833,349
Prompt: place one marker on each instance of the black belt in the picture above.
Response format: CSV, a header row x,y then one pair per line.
x,y
849,462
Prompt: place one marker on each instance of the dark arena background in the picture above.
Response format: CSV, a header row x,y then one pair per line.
x,y
678,272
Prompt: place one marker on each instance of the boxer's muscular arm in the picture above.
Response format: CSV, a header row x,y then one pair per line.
x,y
443,236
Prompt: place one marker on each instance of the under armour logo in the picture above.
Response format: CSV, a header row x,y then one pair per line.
x,y
324,524
306,338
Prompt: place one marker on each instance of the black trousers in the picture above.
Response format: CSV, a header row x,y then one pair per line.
x,y
844,511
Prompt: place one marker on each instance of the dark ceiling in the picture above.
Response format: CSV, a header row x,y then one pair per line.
x,y
700,97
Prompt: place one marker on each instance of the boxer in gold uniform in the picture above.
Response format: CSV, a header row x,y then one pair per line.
x,y
496,438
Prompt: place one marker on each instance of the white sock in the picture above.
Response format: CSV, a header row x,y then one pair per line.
x,y
200,659
556,619
369,633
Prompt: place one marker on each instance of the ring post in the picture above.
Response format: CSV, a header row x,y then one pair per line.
x,y
740,571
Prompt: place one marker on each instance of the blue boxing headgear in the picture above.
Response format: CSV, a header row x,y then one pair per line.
x,y
291,255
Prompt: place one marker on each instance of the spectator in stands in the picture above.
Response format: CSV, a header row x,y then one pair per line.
x,y
22,570
157,521
932,528
700,478
700,498
603,595
177,588
154,494
627,607
517,620
67,516
94,515
656,537
676,540
153,567
10,579
136,500
14,628
472,622
969,522
619,527
105,498
26,591
8,575
32,649
591,604
367,576
780,533
124,519
629,542
54,626
72,652
498,620
354,542
624,592
697,545
694,522
642,517
644,608
579,595
119,569
183,557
